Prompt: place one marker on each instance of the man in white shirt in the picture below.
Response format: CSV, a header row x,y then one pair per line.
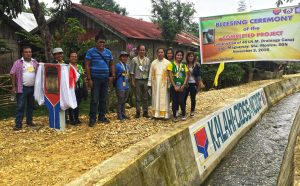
x,y
23,78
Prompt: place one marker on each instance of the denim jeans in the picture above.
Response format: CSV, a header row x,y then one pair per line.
x,y
24,99
122,97
98,96
192,91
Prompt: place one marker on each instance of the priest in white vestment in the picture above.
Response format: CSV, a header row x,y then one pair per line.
x,y
159,82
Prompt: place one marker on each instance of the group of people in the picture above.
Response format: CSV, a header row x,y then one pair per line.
x,y
164,78
23,75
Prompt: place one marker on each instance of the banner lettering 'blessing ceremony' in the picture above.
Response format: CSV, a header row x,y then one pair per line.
x,y
271,34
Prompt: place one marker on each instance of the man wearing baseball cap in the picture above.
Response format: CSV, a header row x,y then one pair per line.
x,y
58,55
122,85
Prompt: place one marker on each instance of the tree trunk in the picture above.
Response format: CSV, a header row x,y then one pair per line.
x,y
43,28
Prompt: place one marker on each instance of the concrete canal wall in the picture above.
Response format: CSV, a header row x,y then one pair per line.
x,y
188,153
286,175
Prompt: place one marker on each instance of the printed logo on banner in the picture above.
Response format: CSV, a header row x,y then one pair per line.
x,y
276,11
288,10
202,142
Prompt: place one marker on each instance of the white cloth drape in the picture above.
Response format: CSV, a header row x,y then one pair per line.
x,y
67,94
39,85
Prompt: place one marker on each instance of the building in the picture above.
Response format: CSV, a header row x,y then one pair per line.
x,y
122,32
10,43
9,46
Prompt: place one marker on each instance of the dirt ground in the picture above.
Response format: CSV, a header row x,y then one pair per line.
x,y
41,156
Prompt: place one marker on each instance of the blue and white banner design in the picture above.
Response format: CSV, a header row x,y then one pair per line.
x,y
211,135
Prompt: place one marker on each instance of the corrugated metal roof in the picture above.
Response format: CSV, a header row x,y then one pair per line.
x,y
131,27
27,21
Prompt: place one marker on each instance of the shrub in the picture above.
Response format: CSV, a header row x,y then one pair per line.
x,y
232,75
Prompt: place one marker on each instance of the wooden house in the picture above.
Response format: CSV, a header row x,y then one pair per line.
x,y
9,46
123,32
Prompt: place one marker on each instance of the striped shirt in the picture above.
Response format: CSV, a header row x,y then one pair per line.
x,y
99,66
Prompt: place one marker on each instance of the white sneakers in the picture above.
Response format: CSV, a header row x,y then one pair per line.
x,y
183,118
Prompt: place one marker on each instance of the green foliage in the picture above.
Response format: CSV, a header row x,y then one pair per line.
x,y
4,48
84,46
172,16
47,11
198,56
232,75
69,40
11,7
35,41
60,10
109,5
242,6
280,2
31,39
291,68
192,28
62,4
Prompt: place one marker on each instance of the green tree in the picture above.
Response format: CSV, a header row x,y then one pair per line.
x,y
192,28
11,7
232,75
4,48
48,11
280,2
43,27
242,6
69,39
109,5
172,16
35,41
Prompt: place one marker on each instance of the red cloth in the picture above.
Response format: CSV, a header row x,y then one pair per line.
x,y
72,79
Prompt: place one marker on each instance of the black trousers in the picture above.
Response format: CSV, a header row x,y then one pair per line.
x,y
178,100
192,91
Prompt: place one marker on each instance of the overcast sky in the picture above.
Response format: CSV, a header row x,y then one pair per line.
x,y
142,8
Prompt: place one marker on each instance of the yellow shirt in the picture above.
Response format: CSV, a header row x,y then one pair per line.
x,y
179,73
